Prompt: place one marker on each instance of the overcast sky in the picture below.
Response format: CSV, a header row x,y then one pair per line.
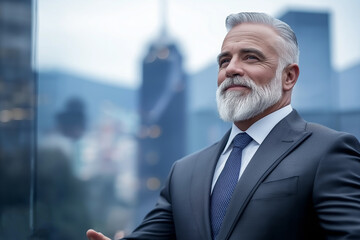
x,y
107,39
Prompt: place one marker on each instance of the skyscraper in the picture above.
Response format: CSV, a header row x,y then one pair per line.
x,y
16,123
314,94
16,79
162,114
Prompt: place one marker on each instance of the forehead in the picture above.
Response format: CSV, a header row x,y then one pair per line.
x,y
252,35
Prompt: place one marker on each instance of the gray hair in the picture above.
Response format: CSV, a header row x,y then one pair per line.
x,y
290,54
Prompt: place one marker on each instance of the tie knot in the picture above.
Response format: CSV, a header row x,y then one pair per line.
x,y
242,140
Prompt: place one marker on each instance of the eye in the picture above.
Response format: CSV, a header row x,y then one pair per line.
x,y
224,62
252,58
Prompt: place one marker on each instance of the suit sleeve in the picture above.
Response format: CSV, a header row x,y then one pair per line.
x,y
158,224
336,192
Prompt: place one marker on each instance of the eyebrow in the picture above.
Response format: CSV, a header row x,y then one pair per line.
x,y
242,51
221,55
253,50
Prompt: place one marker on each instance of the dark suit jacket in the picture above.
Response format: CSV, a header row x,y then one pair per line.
x,y
302,183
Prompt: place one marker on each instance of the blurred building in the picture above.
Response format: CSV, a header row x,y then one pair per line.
x,y
313,34
16,79
315,94
348,86
321,95
16,123
163,117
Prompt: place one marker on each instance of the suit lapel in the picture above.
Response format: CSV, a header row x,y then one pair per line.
x,y
285,136
201,185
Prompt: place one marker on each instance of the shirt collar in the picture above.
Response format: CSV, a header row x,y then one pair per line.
x,y
260,129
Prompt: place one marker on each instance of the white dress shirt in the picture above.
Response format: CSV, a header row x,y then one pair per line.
x,y
258,132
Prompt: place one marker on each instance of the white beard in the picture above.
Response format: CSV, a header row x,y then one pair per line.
x,y
236,106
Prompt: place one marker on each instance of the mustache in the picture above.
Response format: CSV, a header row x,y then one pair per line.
x,y
236,81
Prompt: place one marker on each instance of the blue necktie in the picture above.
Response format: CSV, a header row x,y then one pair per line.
x,y
225,185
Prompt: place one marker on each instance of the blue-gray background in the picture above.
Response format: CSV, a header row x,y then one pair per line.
x,y
99,98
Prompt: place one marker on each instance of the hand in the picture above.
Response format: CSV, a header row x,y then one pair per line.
x,y
93,235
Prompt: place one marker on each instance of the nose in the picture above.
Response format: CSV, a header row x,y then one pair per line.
x,y
234,68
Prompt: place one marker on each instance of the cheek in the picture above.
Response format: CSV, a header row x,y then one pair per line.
x,y
262,76
221,77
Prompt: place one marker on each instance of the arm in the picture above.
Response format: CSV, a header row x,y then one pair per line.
x,y
336,192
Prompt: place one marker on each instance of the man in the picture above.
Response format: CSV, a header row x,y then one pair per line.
x,y
297,180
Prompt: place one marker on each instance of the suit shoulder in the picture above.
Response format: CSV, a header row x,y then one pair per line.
x,y
329,134
297,123
323,130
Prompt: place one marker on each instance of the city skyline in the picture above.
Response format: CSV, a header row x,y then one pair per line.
x,y
107,40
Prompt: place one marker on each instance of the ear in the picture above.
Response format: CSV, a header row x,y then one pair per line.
x,y
290,76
